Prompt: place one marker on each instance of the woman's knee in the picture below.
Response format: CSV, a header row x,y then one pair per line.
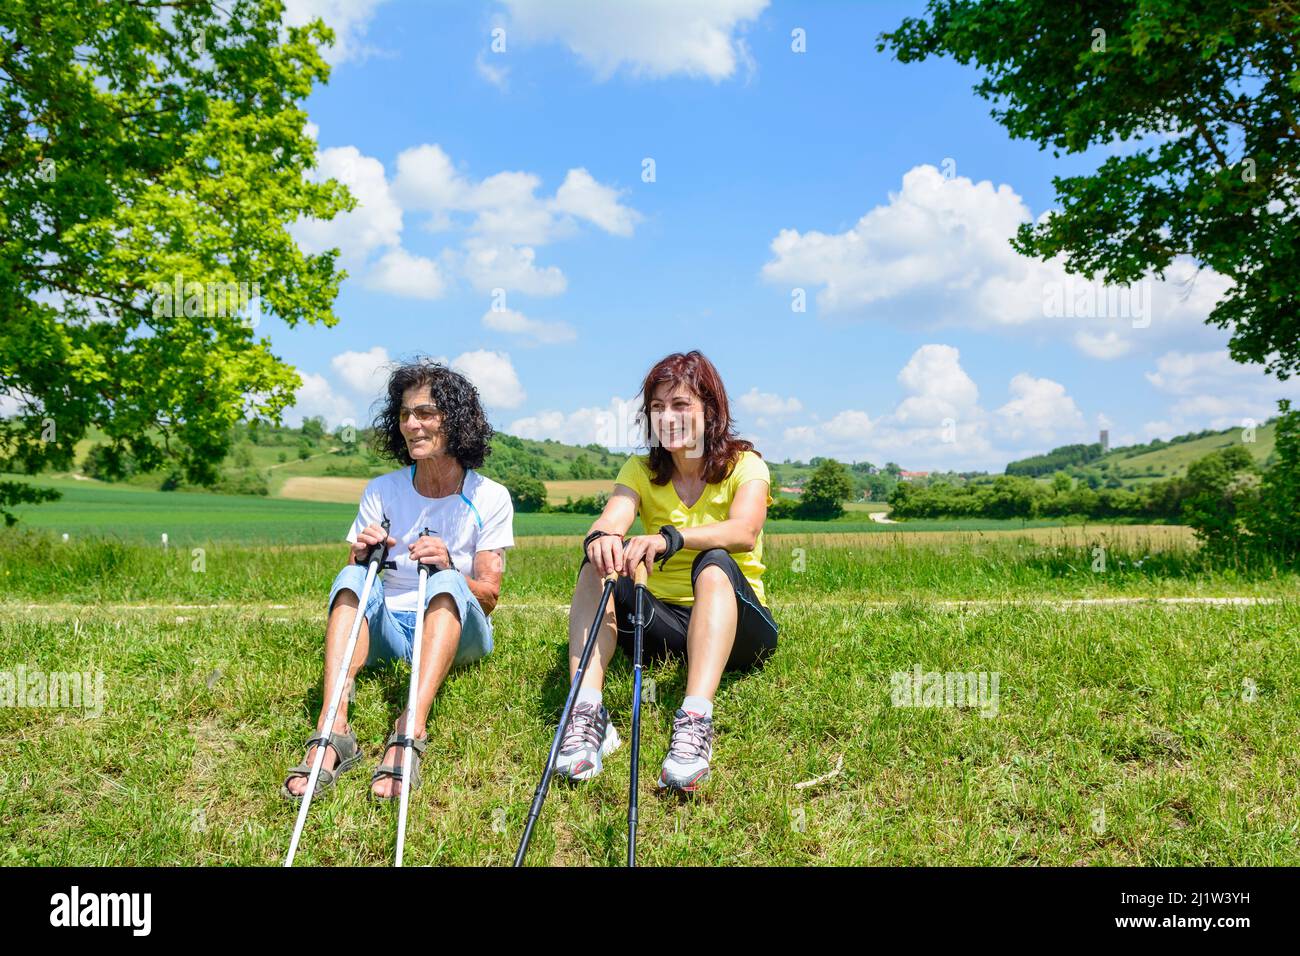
x,y
713,568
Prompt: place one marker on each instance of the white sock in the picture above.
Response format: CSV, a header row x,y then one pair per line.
x,y
588,695
699,705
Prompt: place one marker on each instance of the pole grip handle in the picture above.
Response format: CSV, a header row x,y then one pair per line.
x,y
640,574
429,566
381,548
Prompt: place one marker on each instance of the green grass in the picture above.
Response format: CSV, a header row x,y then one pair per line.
x,y
1136,712
36,569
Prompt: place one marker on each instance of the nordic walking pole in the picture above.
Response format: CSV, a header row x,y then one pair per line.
x,y
409,740
638,578
375,561
540,796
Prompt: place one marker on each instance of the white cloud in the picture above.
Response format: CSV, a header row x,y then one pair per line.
x,y
317,397
1106,346
939,249
507,218
493,375
580,195
530,330
497,75
654,38
365,373
427,179
939,386
766,407
615,426
410,276
488,266
505,206
497,246
347,18
375,223
1213,391
1040,411
940,424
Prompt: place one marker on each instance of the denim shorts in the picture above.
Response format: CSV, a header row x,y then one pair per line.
x,y
392,633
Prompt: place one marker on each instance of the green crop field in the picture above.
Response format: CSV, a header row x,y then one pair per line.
x,y
93,508
1131,730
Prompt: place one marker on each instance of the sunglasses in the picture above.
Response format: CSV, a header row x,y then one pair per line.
x,y
423,414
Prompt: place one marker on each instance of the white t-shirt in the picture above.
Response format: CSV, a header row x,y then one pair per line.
x,y
480,518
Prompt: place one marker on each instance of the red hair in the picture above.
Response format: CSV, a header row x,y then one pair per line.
x,y
721,446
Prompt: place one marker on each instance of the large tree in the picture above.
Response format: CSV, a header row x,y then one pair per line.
x,y
149,148
1214,83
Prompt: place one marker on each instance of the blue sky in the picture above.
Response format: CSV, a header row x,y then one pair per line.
x,y
884,191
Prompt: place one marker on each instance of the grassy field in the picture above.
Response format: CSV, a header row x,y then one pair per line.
x,y
196,518
1138,733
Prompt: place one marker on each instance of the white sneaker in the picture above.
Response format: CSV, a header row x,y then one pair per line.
x,y
687,763
589,737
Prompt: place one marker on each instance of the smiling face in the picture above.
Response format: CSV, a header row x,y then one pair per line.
x,y
421,423
677,418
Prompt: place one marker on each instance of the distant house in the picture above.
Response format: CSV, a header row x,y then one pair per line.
x,y
909,475
790,490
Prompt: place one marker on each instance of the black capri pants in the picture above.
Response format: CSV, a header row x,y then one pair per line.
x,y
666,625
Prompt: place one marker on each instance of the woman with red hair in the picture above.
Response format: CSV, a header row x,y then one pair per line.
x,y
702,494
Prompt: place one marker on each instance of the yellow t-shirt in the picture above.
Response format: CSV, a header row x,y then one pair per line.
x,y
660,505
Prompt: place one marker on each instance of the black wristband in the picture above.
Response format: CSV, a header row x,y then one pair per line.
x,y
674,539
586,542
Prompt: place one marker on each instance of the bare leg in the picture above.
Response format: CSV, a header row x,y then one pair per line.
x,y
586,597
337,631
438,647
712,632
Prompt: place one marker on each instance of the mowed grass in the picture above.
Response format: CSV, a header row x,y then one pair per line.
x,y
1133,734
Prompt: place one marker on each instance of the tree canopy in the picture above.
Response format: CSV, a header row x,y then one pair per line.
x,y
1212,84
152,157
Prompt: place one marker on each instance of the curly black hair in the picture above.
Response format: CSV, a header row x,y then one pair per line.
x,y
466,428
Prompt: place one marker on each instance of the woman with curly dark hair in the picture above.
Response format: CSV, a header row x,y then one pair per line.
x,y
702,494
433,424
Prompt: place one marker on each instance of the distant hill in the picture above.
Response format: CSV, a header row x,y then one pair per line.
x,y
263,458
1133,465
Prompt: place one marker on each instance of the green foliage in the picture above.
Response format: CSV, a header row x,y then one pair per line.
x,y
1055,460
108,463
527,493
313,428
587,505
145,145
782,508
825,491
19,493
1213,83
242,483
1273,521
1220,487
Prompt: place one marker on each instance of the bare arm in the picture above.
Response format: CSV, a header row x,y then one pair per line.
x,y
489,568
740,531
606,552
